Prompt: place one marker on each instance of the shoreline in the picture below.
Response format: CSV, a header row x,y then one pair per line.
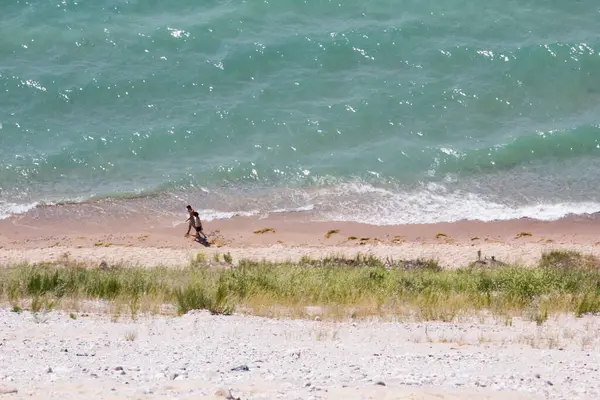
x,y
153,240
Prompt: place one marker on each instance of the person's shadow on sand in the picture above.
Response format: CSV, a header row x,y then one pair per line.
x,y
204,242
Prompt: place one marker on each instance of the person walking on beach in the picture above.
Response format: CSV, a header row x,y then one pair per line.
x,y
192,223
199,231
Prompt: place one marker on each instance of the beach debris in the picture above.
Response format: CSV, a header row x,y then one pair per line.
x,y
496,263
241,368
486,262
331,232
522,234
398,239
264,230
440,235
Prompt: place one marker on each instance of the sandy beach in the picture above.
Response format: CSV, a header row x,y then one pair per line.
x,y
200,356
47,233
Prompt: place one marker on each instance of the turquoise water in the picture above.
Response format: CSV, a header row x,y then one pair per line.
x,y
376,111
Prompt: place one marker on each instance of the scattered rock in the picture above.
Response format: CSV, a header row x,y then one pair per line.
x,y
103,265
537,376
118,368
226,394
318,318
173,376
549,383
49,370
123,372
230,397
307,384
241,368
380,383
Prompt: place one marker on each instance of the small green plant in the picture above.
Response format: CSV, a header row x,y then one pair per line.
x,y
587,304
130,336
17,309
228,258
200,258
561,259
72,316
331,232
134,306
36,304
540,317
217,257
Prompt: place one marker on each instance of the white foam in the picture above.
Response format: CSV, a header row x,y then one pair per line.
x,y
9,209
309,207
432,204
211,215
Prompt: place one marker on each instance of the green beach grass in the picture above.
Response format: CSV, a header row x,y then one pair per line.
x,y
563,282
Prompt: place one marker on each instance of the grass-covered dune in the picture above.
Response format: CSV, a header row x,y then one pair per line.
x,y
337,287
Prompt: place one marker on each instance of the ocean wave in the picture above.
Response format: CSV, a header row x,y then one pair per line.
x,y
353,202
433,204
9,209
